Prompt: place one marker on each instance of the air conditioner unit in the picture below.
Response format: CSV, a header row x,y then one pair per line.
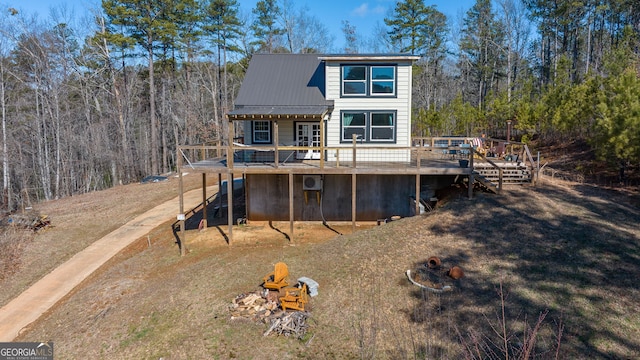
x,y
312,182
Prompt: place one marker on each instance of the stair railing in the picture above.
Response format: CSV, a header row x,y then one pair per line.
x,y
474,152
534,167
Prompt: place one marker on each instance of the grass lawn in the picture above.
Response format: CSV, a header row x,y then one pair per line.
x,y
570,252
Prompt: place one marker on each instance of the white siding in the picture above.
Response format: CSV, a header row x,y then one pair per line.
x,y
401,104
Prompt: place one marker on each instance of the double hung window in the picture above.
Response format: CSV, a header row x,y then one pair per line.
x,y
369,126
368,80
261,131
354,80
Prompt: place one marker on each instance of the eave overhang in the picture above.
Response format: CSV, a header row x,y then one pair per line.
x,y
369,57
308,112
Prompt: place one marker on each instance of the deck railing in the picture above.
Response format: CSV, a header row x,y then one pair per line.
x,y
190,154
352,155
424,152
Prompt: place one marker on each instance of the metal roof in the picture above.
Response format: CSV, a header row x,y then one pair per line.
x,y
284,84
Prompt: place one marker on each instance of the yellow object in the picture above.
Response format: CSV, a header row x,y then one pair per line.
x,y
295,298
277,279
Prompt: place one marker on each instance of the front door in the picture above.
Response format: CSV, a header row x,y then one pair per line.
x,y
308,134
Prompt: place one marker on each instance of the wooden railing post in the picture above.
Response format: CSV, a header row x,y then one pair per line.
x,y
276,136
354,139
534,167
322,154
230,147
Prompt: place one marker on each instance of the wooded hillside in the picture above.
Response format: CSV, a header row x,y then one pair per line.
x,y
94,100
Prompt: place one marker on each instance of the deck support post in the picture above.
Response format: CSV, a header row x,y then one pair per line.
x,y
230,205
291,205
353,202
219,212
181,216
204,201
417,194
471,175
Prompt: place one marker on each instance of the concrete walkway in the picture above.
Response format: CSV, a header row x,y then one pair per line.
x,y
44,294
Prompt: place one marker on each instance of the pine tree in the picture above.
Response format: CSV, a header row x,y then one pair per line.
x,y
408,26
265,26
224,26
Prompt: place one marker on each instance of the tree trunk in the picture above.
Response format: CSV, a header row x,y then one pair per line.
x,y
122,128
152,110
43,158
6,196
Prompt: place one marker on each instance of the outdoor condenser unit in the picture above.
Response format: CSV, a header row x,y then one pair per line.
x,y
312,182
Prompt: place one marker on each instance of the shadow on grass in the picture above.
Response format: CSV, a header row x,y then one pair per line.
x,y
582,265
217,215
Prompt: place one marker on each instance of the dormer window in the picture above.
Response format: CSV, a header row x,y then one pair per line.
x,y
368,80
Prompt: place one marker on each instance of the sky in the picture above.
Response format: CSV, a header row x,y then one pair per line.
x,y
362,14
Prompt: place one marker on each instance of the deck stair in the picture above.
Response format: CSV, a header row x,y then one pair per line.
x,y
512,172
487,184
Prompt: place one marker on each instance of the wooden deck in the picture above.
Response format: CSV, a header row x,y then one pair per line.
x,y
428,158
425,163
424,167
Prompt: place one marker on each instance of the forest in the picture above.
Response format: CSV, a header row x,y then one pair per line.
x,y
91,102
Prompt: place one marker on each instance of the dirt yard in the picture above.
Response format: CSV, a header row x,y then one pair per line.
x,y
567,250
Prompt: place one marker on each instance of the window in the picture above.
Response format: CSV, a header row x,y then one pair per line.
x,y
383,80
382,126
354,80
354,123
369,126
261,132
368,80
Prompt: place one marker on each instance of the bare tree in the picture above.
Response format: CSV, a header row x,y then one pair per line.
x,y
516,29
304,33
4,46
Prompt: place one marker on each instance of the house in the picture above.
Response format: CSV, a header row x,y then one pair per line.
x,y
327,138
365,96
